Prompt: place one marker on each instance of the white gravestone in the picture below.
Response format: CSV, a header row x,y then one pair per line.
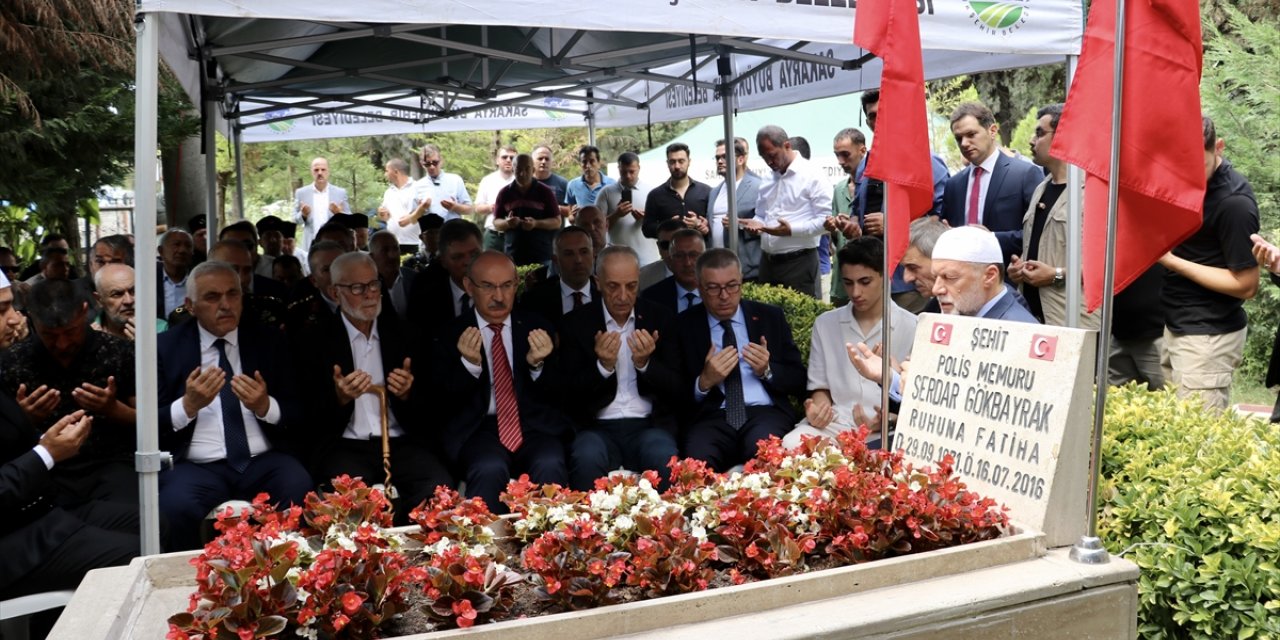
x,y
1011,402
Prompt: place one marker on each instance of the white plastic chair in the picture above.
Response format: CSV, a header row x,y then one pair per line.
x,y
14,612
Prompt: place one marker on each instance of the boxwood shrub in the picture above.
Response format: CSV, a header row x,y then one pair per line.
x,y
1192,497
801,310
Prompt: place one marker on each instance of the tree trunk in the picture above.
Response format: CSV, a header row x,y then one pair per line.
x,y
185,185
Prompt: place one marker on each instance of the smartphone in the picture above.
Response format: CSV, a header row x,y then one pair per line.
x,y
626,195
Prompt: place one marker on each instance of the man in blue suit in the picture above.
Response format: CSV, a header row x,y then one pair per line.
x,y
226,400
994,190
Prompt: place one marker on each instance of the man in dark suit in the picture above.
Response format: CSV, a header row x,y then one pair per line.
x,y
262,286
574,259
969,277
397,281
994,190
612,386
438,296
346,355
679,291
47,547
490,366
226,402
737,364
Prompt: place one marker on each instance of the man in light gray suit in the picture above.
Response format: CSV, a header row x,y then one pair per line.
x,y
748,192
315,203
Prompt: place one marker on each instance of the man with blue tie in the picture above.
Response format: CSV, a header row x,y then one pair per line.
x,y
995,190
226,399
679,291
738,365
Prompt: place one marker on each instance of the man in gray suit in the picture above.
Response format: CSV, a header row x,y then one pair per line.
x,y
315,203
747,194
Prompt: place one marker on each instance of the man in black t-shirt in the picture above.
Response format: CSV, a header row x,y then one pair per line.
x,y
680,197
1041,267
1210,275
527,213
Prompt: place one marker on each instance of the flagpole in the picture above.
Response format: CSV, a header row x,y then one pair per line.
x,y
1089,549
886,278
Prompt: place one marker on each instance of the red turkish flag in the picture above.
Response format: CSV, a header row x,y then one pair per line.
x,y
1162,182
891,30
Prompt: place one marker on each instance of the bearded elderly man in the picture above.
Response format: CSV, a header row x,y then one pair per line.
x,y
114,292
354,361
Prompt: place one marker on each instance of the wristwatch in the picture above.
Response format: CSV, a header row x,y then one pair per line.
x,y
1059,277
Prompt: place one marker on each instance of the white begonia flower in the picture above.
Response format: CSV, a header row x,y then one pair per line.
x,y
623,523
699,532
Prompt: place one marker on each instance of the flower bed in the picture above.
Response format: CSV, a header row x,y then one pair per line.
x,y
331,569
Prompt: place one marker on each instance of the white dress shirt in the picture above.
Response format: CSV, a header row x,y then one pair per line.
x,y
488,335
398,200
566,295
988,166
207,443
366,417
627,402
802,196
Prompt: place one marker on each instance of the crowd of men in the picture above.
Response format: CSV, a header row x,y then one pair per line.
x,y
281,366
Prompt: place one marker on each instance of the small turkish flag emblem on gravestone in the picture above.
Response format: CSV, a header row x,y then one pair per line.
x,y
1043,347
941,333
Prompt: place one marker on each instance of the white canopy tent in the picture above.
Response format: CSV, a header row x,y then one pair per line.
x,y
276,70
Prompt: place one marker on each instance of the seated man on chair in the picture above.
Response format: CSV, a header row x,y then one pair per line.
x,y
738,363
226,401
491,364
345,356
612,384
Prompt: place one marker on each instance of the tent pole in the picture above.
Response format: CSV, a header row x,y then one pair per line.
x,y
725,68
239,153
591,119
1075,225
1089,549
886,356
211,165
148,459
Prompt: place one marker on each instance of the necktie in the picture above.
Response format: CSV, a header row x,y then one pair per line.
x,y
504,393
735,408
233,435
688,300
577,299
973,217
464,303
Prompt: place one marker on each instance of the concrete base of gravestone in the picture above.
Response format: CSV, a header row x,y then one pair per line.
x,y
1007,588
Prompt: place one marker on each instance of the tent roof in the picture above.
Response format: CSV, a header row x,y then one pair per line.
x,y
428,65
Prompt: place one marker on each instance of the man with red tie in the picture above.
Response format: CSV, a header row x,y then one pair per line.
x,y
994,190
491,366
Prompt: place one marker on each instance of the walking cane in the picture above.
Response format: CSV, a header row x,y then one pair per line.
x,y
387,488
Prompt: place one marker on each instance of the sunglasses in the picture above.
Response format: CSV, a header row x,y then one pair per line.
x,y
430,163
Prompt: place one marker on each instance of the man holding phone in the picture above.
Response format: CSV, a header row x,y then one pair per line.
x,y
680,197
623,205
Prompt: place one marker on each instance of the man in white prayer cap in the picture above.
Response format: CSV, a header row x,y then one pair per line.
x,y
968,270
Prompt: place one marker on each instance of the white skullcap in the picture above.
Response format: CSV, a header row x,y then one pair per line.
x,y
968,244
4,281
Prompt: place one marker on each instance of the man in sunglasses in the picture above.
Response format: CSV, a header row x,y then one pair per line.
x,y
487,195
439,192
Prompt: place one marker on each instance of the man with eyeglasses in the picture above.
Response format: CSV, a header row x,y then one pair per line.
x,y
543,164
738,366
679,291
487,195
438,295
850,147
623,206
350,353
439,192
584,190
1040,267
747,192
491,365
655,272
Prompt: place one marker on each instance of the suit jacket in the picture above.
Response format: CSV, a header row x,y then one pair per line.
x,y
544,299
688,353
652,274
1008,308
664,294
313,222
747,194
583,391
468,396
268,287
327,344
430,304
261,349
1009,194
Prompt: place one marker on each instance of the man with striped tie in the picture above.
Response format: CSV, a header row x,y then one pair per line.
x,y
492,366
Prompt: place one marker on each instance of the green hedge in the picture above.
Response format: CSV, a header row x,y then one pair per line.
x,y
1193,497
801,310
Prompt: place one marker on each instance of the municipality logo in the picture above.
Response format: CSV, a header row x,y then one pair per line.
x,y
556,104
998,18
279,126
